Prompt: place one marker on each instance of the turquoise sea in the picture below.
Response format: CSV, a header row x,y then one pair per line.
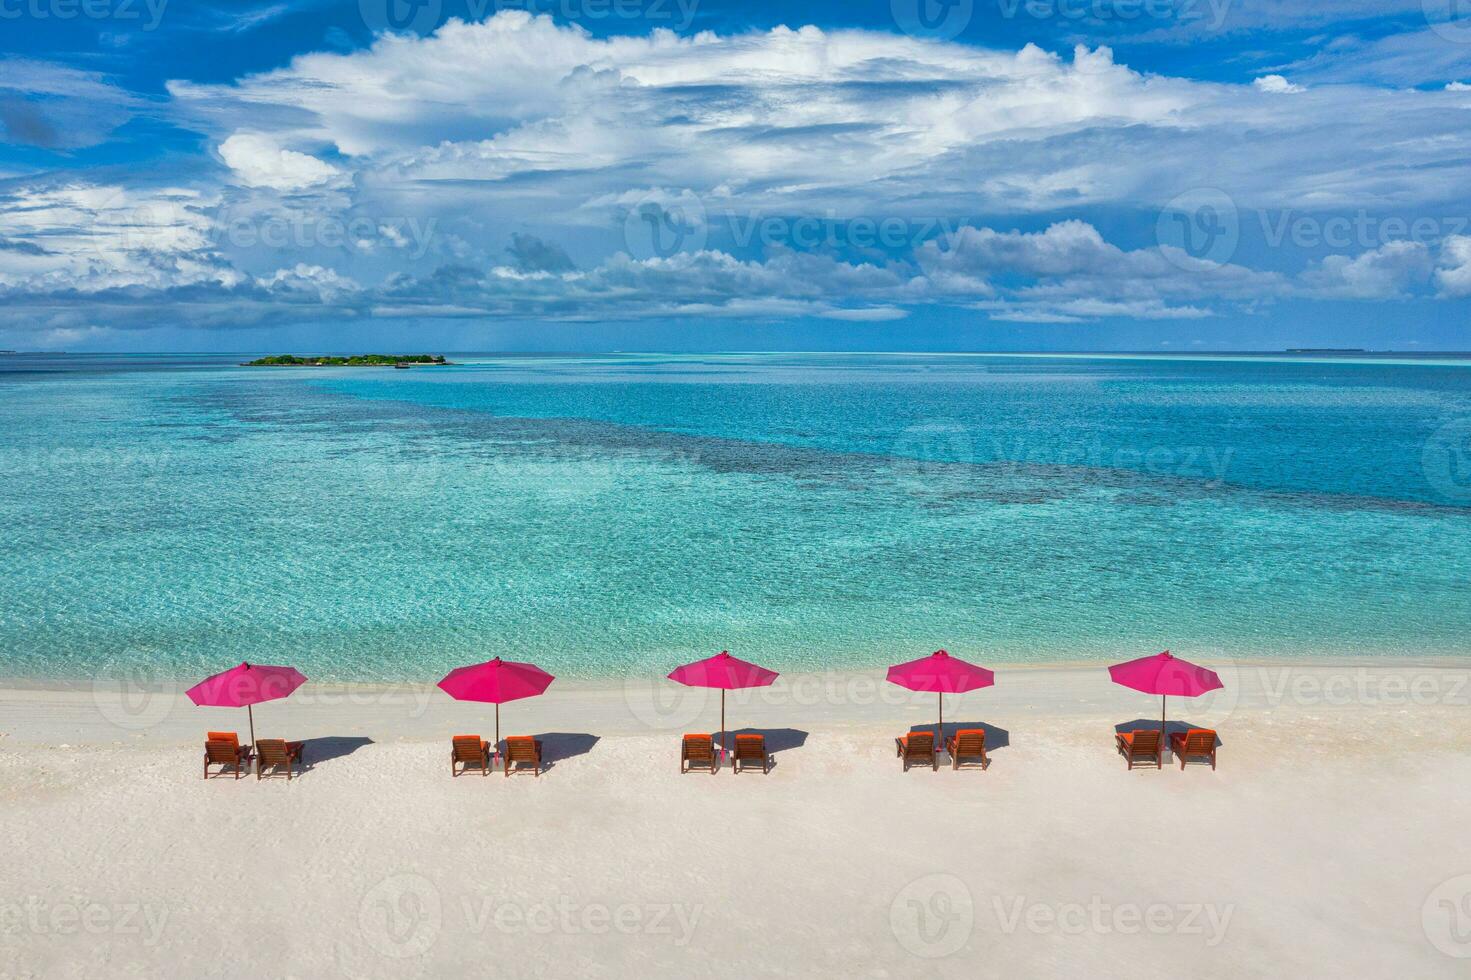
x,y
604,514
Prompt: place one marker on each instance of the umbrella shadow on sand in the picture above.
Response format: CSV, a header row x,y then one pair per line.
x,y
996,738
1146,724
777,740
559,746
329,747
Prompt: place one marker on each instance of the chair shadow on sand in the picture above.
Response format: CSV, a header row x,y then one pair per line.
x,y
559,746
329,747
996,738
777,740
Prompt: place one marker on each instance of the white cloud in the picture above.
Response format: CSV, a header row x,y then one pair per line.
x,y
1453,276
1387,272
259,161
548,119
1276,84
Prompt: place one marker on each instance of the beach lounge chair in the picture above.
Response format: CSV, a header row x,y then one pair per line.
x,y
223,749
467,751
523,748
750,748
697,752
968,743
918,748
1140,747
274,753
1197,743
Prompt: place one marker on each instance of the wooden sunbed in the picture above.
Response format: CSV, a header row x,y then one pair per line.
x,y
1141,747
751,748
223,749
697,751
968,743
276,753
523,749
1197,743
467,751
918,748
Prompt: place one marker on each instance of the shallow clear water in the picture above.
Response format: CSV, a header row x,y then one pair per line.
x,y
603,514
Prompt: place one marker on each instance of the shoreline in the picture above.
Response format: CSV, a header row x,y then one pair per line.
x,y
1427,661
113,710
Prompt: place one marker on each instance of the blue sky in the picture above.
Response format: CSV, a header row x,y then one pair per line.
x,y
703,174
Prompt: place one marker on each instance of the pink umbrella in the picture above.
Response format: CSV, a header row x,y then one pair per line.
x,y
943,674
725,672
246,685
496,681
1164,674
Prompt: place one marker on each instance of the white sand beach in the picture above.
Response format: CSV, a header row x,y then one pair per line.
x,y
1331,841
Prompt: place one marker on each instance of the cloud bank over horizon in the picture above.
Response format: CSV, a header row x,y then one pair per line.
x,y
520,167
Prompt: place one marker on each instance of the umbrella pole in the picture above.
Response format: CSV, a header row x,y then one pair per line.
x,y
497,728
250,713
722,724
1164,738
940,731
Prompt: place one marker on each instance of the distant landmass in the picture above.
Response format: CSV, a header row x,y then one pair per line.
x,y
1327,350
356,360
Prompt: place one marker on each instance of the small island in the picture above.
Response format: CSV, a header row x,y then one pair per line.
x,y
355,360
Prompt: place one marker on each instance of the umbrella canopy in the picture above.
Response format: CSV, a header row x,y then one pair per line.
x,y
246,685
943,674
496,682
1165,674
724,672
